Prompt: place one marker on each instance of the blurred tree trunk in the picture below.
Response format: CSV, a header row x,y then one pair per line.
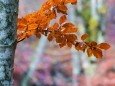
x,y
8,20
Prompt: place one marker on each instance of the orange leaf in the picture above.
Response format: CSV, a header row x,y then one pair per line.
x,y
46,6
83,37
52,14
68,30
71,37
30,33
62,44
97,53
22,27
62,9
69,44
77,47
54,27
91,44
38,35
22,21
68,25
70,1
89,52
62,19
50,37
32,26
58,1
104,46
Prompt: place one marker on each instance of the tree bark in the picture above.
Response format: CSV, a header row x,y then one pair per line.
x,y
8,21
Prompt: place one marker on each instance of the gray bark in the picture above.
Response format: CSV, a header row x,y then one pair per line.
x,y
8,20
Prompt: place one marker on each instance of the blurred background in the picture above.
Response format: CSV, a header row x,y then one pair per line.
x,y
43,63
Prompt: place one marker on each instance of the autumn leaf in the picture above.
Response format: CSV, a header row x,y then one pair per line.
x,y
22,21
54,27
22,27
58,39
62,44
91,44
46,6
30,32
50,37
52,15
62,9
58,1
97,53
62,19
68,25
69,44
89,52
69,30
104,46
71,37
70,1
80,46
38,35
83,37
32,26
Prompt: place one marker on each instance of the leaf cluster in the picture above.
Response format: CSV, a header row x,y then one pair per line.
x,y
38,23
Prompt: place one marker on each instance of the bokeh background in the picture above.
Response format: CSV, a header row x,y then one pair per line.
x,y
43,63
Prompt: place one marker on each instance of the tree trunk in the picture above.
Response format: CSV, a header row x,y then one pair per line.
x,y
8,20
